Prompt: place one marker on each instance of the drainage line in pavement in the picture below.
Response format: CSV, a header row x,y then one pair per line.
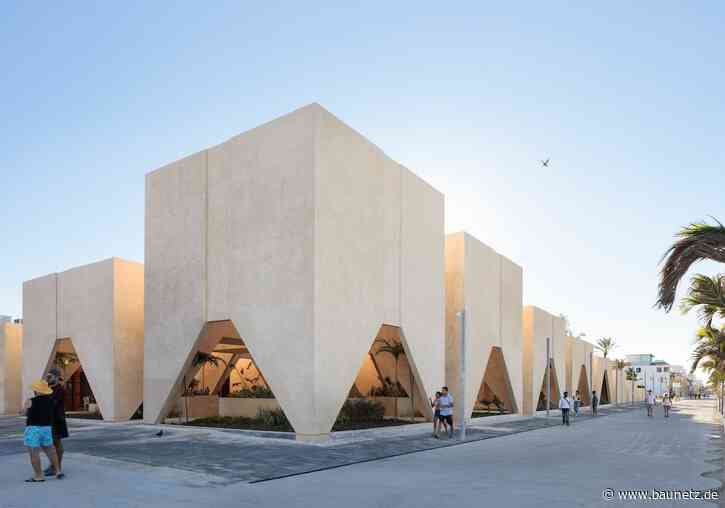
x,y
401,454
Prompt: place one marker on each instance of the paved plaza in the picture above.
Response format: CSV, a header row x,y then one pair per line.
x,y
518,461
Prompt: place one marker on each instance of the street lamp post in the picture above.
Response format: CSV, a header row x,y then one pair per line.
x,y
548,378
462,397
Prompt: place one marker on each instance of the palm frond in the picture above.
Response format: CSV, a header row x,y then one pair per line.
x,y
605,345
709,351
391,347
696,242
707,294
202,358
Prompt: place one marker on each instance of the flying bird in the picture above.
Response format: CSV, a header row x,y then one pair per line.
x,y
545,163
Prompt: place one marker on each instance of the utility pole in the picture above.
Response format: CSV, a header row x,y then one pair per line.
x,y
548,378
462,398
591,374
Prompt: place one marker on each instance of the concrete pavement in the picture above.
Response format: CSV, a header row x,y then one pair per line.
x,y
551,466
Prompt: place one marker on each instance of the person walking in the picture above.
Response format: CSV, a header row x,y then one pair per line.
x,y
577,403
666,404
39,430
564,406
434,403
60,427
595,403
446,410
650,401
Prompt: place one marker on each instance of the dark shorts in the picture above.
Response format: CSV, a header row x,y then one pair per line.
x,y
446,419
60,429
437,415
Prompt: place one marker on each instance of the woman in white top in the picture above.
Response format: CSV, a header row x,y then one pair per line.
x,y
666,404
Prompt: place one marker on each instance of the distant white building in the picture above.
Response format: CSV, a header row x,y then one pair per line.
x,y
653,374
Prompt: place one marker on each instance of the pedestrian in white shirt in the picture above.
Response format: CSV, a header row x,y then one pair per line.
x,y
445,403
650,401
565,406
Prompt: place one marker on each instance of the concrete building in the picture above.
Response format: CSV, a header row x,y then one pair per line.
x,y
489,287
11,350
653,374
306,240
578,367
88,321
538,325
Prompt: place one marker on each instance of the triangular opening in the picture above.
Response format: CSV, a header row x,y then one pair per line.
x,y
554,390
583,387
495,395
222,386
604,397
79,399
380,396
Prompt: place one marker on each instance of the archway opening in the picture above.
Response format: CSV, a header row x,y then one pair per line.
x,y
80,402
222,386
386,390
604,397
554,390
583,387
495,395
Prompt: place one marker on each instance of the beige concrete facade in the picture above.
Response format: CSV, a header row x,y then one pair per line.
x,y
99,308
308,238
11,351
578,359
537,326
489,287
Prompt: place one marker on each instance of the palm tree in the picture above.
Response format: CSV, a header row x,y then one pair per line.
x,y
709,353
605,345
696,242
707,295
202,359
395,349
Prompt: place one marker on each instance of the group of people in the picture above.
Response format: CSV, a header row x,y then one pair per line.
x,y
567,404
442,405
651,402
46,427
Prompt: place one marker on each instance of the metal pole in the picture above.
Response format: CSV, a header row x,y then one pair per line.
x,y
548,379
591,375
462,396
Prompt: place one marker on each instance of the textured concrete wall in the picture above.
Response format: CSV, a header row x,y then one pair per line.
x,y
581,351
538,325
11,351
308,238
580,357
99,308
489,286
568,362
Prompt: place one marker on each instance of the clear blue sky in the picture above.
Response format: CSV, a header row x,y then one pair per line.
x,y
627,101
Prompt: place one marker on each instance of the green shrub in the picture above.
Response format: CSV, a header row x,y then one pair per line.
x,y
361,410
272,418
388,389
255,392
